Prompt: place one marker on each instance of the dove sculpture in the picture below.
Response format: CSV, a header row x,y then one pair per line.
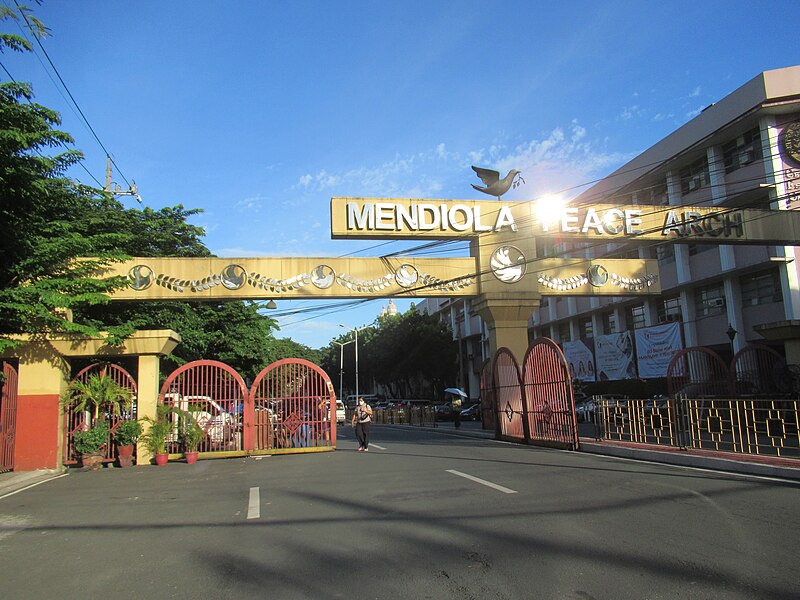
x,y
494,185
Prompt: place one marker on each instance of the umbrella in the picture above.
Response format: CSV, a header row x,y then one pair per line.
x,y
456,392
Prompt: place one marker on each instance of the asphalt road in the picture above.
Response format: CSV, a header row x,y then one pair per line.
x,y
422,515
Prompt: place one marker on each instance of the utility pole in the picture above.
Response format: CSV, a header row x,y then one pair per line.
x,y
118,191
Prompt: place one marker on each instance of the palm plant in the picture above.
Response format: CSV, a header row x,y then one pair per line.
x,y
98,392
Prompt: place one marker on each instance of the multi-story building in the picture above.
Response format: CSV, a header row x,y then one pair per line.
x,y
741,152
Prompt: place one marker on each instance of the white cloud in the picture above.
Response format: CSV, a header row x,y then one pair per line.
x,y
252,204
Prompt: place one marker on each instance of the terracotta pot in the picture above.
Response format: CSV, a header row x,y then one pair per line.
x,y
161,459
92,460
125,455
191,457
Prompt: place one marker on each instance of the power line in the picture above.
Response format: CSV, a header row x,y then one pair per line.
x,y
66,88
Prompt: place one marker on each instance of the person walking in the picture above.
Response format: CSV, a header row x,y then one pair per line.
x,y
361,420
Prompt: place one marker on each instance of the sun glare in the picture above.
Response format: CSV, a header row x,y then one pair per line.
x,y
550,210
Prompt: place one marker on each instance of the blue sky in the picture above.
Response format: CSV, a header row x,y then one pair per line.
x,y
258,112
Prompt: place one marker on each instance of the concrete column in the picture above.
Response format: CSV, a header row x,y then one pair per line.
x,y
39,437
148,398
507,321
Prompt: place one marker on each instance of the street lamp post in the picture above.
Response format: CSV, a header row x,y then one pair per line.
x,y
341,364
355,331
731,333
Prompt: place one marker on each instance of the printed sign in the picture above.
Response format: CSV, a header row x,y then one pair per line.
x,y
580,360
614,356
655,347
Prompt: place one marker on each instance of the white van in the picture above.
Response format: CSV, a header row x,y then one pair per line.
x,y
352,399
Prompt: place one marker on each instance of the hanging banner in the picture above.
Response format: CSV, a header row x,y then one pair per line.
x,y
580,360
614,356
655,347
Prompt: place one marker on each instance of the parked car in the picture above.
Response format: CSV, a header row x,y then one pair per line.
x,y
443,412
340,412
584,411
471,413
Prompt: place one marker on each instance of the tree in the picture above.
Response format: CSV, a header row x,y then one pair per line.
x,y
50,222
412,354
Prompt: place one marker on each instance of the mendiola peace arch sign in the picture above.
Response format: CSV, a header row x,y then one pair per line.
x,y
502,272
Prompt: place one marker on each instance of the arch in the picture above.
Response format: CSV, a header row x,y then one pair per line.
x,y
217,397
759,370
294,406
76,421
488,404
508,396
549,396
696,372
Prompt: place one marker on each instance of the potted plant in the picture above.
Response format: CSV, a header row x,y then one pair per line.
x,y
192,434
126,435
155,438
90,445
99,396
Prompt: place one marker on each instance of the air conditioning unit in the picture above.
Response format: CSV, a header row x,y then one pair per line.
x,y
668,318
715,302
747,155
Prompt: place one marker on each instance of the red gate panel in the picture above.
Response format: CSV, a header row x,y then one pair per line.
x,y
8,417
294,407
488,404
759,370
508,395
549,396
216,396
76,421
696,372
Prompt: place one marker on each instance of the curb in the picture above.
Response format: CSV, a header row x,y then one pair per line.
x,y
16,481
683,459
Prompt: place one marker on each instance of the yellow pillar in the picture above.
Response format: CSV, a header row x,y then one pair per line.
x,y
506,316
147,400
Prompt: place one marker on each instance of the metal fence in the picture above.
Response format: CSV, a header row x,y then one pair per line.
x,y
755,426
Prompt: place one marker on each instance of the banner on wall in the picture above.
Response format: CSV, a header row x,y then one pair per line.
x,y
614,356
580,359
655,347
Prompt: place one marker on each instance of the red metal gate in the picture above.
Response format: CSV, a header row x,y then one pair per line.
x,y
216,396
509,398
695,372
287,409
549,396
293,400
76,421
488,404
8,417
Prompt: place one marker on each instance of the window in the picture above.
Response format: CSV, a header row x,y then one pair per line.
x,y
609,322
586,327
698,248
742,151
563,332
694,176
665,253
709,300
669,309
760,288
634,315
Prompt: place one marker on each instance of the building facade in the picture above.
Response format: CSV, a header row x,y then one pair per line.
x,y
741,152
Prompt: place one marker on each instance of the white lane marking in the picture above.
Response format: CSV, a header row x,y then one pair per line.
x,y
376,446
494,486
254,504
27,487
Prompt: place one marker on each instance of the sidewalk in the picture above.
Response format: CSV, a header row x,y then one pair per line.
x,y
718,461
14,481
